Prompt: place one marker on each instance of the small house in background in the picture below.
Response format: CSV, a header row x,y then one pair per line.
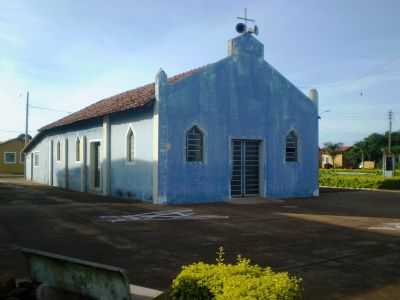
x,y
340,160
367,164
11,155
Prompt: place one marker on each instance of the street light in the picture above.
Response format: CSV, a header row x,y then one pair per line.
x,y
325,111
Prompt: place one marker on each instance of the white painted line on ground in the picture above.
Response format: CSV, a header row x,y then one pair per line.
x,y
166,215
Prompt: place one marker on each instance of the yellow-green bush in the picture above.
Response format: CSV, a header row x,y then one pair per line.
x,y
364,171
351,181
221,281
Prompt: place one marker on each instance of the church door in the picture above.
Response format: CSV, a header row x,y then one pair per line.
x,y
245,180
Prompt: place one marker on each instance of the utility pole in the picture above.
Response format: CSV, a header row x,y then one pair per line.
x,y
390,115
26,118
388,162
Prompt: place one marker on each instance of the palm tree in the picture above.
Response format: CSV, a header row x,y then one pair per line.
x,y
333,150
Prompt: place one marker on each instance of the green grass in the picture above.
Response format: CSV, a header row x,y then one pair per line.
x,y
336,178
350,171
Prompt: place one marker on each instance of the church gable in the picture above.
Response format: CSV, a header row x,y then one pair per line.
x,y
243,80
237,99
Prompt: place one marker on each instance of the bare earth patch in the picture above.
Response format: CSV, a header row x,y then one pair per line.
x,y
339,243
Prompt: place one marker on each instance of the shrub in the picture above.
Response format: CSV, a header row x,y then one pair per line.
x,y
241,280
363,171
354,181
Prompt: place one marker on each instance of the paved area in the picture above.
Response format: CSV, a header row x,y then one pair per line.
x,y
339,243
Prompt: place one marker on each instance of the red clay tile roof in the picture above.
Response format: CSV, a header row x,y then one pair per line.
x,y
132,99
340,149
14,139
344,148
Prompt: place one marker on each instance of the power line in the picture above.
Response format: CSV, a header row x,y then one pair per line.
x,y
48,108
11,131
29,106
44,107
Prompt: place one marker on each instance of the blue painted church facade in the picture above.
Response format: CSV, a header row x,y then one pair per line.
x,y
234,128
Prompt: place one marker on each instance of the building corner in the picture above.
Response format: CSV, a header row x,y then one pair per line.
x,y
106,156
161,83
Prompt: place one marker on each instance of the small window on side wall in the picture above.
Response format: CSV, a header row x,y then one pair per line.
x,y
36,159
130,146
78,150
58,151
291,147
194,145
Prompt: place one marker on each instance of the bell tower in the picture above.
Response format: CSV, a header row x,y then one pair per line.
x,y
246,43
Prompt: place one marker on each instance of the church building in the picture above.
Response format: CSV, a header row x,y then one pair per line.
x,y
233,128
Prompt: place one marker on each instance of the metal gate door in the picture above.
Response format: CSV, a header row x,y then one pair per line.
x,y
245,179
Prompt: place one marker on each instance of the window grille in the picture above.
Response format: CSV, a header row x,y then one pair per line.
x,y
291,147
194,145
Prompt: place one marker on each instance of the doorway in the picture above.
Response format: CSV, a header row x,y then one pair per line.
x,y
245,180
95,165
31,165
51,164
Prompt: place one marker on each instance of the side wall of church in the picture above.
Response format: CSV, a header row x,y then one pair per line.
x,y
128,179
132,179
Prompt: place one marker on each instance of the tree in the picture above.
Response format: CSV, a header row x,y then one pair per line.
x,y
370,148
353,157
373,145
333,150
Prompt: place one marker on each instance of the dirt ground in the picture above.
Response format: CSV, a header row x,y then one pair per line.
x,y
327,240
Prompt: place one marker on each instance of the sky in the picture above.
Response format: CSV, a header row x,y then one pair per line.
x,y
69,54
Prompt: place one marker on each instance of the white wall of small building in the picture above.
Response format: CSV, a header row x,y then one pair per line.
x,y
43,173
38,172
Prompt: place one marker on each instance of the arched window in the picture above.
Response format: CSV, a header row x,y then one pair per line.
x,y
78,150
58,151
194,144
291,146
130,146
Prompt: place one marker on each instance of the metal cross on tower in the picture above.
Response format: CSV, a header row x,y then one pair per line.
x,y
245,17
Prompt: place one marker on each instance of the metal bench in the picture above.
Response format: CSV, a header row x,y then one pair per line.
x,y
78,276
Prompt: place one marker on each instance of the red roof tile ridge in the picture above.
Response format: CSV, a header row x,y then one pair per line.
x,y
130,99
